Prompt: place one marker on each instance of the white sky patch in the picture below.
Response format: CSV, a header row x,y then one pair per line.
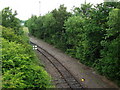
x,y
26,8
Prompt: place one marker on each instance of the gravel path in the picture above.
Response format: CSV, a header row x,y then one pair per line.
x,y
92,80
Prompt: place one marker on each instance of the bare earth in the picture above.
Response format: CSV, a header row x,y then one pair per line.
x,y
92,79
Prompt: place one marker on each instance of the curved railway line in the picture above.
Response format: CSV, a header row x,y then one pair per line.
x,y
67,77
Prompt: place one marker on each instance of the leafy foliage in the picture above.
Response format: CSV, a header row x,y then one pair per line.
x,y
50,27
74,34
19,66
90,34
108,65
9,20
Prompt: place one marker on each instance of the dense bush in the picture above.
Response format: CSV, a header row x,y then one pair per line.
x,y
19,63
109,63
90,34
50,26
9,20
75,36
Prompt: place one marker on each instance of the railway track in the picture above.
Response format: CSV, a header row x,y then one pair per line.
x,y
67,77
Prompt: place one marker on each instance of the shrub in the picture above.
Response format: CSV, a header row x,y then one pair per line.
x,y
108,65
19,66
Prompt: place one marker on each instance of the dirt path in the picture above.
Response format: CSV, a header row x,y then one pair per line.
x,y
92,80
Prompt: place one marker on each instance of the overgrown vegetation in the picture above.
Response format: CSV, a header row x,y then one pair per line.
x,y
90,34
20,68
9,20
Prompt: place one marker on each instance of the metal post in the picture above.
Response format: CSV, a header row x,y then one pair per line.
x,y
39,8
85,1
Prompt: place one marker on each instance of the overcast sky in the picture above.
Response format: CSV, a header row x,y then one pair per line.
x,y
26,8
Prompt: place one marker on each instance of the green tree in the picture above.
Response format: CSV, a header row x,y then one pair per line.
x,y
74,36
60,16
9,20
95,30
84,11
49,23
30,23
108,65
